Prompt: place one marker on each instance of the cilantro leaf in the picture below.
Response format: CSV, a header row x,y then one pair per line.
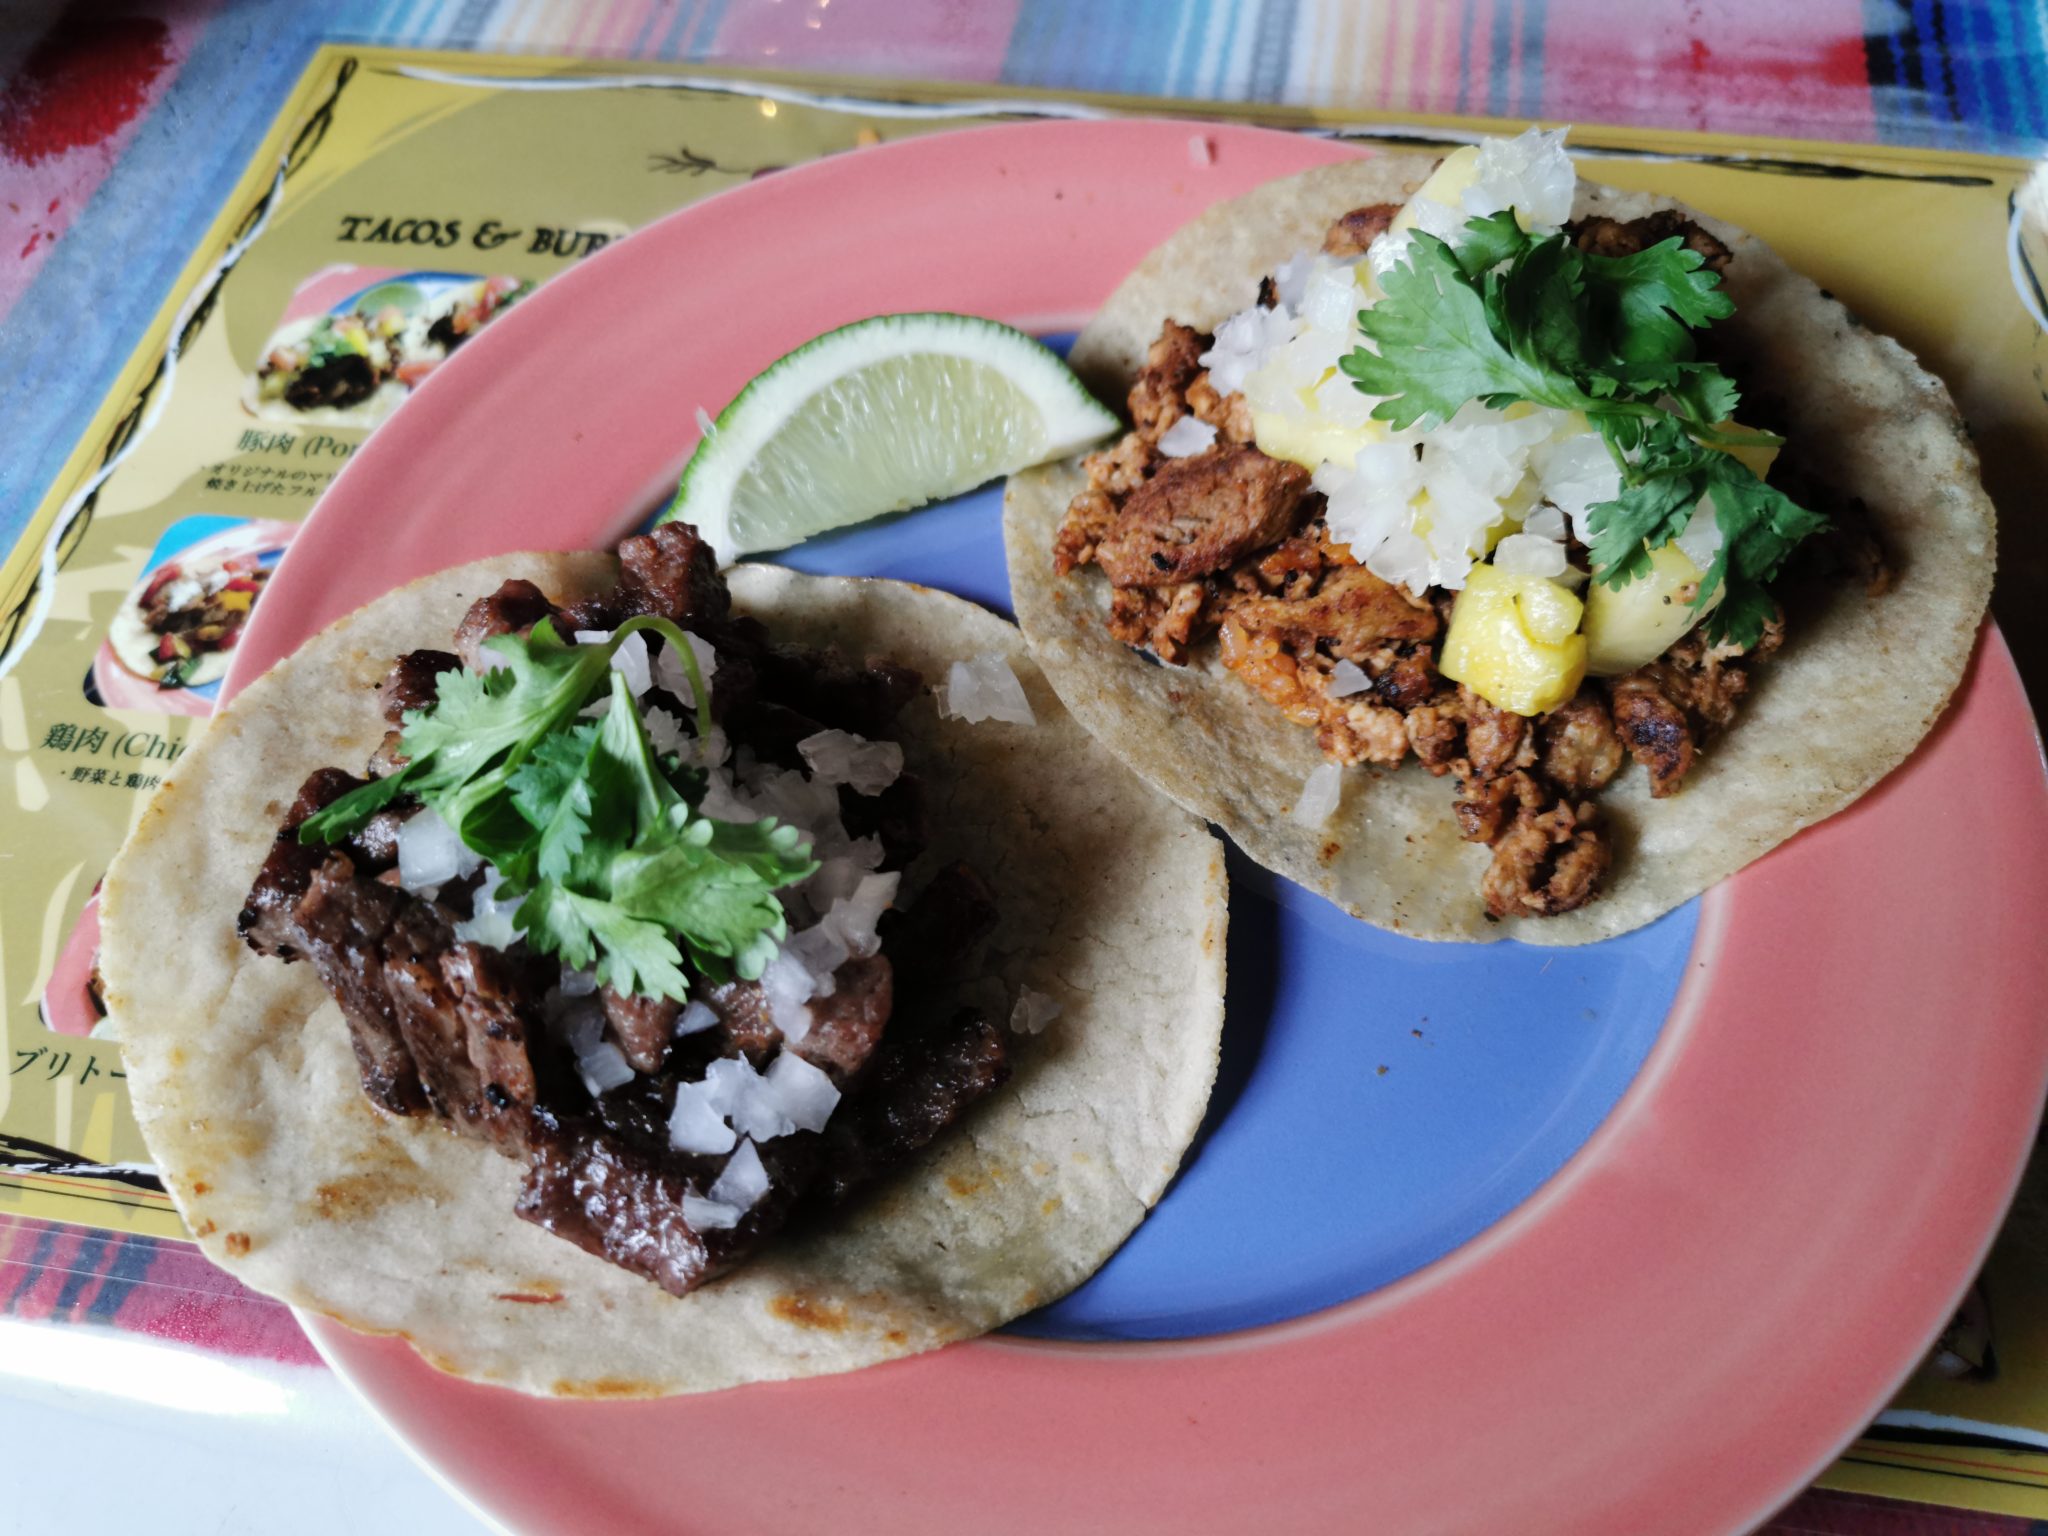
x,y
1652,300
1500,316
1436,347
631,955
553,794
714,883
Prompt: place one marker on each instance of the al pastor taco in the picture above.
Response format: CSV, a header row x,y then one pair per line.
x,y
1637,542
687,992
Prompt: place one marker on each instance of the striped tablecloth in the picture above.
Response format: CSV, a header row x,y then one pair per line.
x,y
122,127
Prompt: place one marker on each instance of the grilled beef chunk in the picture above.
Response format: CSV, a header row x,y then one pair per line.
x,y
625,1204
411,682
1201,514
1616,237
342,379
513,609
456,1029
642,1026
919,1089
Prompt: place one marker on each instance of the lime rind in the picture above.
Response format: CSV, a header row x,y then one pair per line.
x,y
876,417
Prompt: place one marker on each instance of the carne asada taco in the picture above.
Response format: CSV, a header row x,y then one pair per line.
x,y
1522,477
691,995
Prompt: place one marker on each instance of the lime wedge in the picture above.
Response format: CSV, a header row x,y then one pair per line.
x,y
880,416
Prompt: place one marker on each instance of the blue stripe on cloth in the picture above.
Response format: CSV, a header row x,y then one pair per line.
x,y
132,1259
85,1268
1272,49
1529,79
69,335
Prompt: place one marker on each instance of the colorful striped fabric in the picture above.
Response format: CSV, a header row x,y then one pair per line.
x,y
99,117
120,137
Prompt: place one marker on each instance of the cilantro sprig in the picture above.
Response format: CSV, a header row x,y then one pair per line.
x,y
1504,316
585,821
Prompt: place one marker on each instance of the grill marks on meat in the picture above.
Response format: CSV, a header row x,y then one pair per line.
x,y
1600,236
1664,710
1201,514
1352,232
454,1028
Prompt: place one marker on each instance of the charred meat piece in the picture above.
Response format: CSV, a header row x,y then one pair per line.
x,y
895,817
341,379
411,682
1655,730
1201,514
496,1003
918,1090
428,1015
1599,236
1351,614
1163,620
1352,232
1546,863
864,699
513,609
847,1023
1159,397
934,936
1580,750
625,1204
642,1026
674,573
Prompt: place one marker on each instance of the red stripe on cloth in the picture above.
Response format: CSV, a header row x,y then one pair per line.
x,y
932,39
1821,1512
66,115
58,1273
1789,70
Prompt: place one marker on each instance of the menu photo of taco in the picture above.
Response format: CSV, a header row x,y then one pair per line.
x,y
607,972
170,641
355,341
1499,554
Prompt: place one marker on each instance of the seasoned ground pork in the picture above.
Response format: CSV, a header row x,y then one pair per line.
x,y
1230,544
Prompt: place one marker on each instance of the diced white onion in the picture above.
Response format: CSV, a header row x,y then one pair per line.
x,y
1319,795
1186,437
490,920
1201,150
1701,540
709,1215
984,689
1347,678
1243,343
1033,1012
744,1180
696,1018
787,986
705,425
577,983
840,757
1529,554
604,1066
430,854
670,673
820,951
696,1123
665,732
630,659
801,1092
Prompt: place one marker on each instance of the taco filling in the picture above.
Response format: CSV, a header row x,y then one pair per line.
x,y
389,341
1467,485
617,897
188,617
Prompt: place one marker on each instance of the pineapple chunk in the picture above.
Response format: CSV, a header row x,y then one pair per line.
x,y
1312,439
1513,641
1628,626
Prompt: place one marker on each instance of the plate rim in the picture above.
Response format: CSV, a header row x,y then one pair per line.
x,y
1991,658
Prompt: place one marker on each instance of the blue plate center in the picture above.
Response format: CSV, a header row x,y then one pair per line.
x,y
1381,1100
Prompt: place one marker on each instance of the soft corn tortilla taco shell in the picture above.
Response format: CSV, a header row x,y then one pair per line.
x,y
1859,682
242,1077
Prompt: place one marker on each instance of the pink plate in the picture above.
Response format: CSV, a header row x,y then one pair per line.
x,y
1673,1334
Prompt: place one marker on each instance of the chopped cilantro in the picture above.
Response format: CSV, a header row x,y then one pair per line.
x,y
585,821
1505,316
